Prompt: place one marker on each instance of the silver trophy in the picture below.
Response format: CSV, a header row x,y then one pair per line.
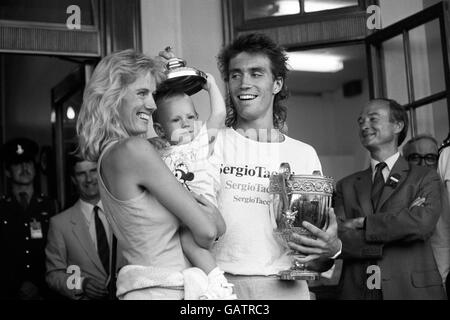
x,y
298,198
181,78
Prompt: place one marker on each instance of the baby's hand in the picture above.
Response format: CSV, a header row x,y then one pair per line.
x,y
210,82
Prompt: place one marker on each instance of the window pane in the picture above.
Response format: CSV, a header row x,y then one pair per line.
x,y
321,5
269,8
426,60
441,122
433,119
395,70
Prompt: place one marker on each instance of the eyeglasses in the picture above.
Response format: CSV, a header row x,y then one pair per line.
x,y
430,158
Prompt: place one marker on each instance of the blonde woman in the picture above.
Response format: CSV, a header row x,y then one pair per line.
x,y
143,201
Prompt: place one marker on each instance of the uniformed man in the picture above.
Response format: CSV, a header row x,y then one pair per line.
x,y
24,219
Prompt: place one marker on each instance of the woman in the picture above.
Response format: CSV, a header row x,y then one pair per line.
x,y
143,201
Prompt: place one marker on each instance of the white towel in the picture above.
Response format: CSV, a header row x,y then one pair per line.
x,y
134,277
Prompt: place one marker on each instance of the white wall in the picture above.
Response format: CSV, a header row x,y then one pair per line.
x,y
329,123
396,10
193,28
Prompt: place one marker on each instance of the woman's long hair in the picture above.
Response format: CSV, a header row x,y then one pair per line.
x,y
98,122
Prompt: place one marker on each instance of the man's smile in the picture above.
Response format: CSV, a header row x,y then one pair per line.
x,y
246,97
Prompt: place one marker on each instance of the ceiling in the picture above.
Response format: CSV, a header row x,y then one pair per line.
x,y
315,83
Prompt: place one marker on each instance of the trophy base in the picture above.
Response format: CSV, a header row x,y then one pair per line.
x,y
298,275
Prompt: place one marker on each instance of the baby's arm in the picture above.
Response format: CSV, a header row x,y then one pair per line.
x,y
199,257
218,114
216,119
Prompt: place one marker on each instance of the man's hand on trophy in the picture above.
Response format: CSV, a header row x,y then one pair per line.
x,y
326,245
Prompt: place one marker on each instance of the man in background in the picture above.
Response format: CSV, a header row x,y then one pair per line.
x,y
387,214
422,150
79,240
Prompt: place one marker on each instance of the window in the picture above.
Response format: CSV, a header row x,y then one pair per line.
x,y
322,5
254,9
263,8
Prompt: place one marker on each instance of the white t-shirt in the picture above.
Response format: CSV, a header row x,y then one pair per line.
x,y
191,165
440,240
444,165
248,246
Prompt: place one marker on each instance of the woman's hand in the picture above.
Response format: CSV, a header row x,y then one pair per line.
x,y
212,212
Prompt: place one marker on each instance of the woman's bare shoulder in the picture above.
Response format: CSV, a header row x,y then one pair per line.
x,y
128,151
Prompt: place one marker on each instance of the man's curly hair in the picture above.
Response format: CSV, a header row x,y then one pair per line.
x,y
257,43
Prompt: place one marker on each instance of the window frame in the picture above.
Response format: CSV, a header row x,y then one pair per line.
x,y
237,9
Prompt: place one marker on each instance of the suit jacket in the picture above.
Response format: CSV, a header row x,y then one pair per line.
x,y
396,237
69,243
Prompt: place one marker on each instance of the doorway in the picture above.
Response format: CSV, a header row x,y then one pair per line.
x,y
27,100
324,104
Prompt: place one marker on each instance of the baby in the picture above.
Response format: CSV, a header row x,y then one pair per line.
x,y
190,144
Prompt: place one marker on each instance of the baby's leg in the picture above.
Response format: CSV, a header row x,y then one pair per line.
x,y
198,256
218,286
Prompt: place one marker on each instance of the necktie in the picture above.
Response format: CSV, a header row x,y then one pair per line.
x,y
378,184
23,200
102,241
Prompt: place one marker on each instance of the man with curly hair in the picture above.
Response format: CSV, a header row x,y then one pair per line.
x,y
251,148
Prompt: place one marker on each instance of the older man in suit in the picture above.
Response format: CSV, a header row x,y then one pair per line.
x,y
78,250
423,150
387,214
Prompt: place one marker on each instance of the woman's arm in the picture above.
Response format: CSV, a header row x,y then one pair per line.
x,y
136,165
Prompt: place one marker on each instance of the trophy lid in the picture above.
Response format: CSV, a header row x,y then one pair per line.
x,y
182,78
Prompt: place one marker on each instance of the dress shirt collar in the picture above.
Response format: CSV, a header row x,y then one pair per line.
x,y
88,210
390,162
